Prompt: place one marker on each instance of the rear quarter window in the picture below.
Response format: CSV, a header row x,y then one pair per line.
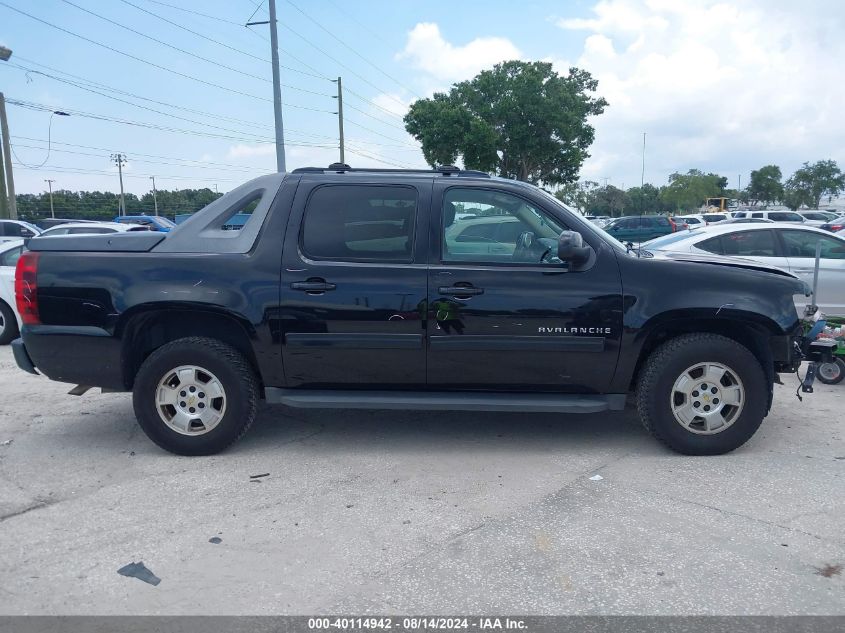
x,y
360,223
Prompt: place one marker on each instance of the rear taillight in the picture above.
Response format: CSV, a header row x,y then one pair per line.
x,y
837,227
26,288
673,225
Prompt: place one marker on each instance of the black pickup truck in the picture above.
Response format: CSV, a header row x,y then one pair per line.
x,y
388,289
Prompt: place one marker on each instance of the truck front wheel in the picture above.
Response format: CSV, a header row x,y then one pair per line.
x,y
702,394
195,396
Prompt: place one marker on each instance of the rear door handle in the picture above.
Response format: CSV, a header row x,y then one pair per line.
x,y
313,285
460,291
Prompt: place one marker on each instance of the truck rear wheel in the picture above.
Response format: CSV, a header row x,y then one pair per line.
x,y
702,394
195,396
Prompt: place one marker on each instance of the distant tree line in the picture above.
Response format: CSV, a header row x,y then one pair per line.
x,y
807,187
105,205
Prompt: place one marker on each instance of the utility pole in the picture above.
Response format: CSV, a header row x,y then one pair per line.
x,y
277,85
340,115
50,187
4,201
7,160
155,200
120,161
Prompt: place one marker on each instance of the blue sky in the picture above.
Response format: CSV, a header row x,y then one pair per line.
x,y
721,87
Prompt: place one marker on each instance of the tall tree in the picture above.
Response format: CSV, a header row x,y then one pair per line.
x,y
765,184
690,190
645,200
809,183
519,120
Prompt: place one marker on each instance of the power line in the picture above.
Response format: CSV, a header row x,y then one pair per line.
x,y
355,52
100,117
218,42
125,93
375,105
111,150
150,162
134,57
189,53
372,131
74,170
372,116
339,63
205,15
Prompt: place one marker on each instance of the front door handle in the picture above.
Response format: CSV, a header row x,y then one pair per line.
x,y
460,291
313,285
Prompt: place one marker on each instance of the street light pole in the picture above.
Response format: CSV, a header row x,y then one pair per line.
x,y
50,187
155,201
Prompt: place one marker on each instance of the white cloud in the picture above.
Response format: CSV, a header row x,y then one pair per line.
x,y
445,62
723,87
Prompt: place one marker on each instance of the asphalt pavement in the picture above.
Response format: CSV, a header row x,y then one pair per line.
x,y
395,513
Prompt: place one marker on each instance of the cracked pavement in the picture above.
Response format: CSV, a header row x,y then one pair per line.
x,y
392,512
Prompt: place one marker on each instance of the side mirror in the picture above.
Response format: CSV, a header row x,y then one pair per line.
x,y
571,248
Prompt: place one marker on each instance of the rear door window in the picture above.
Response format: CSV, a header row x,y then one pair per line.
x,y
803,244
750,244
360,223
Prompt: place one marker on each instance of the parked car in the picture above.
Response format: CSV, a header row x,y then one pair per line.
x,y
715,218
342,290
9,319
640,228
774,216
153,222
692,220
48,223
790,247
815,218
92,228
834,225
748,221
14,230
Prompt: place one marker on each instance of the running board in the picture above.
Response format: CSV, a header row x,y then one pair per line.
x,y
446,400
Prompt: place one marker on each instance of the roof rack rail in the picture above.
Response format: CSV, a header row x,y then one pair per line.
x,y
443,170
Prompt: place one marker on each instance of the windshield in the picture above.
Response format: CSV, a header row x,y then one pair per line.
x,y
162,221
665,240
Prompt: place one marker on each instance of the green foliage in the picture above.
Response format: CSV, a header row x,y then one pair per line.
x,y
765,184
98,205
519,120
809,183
646,200
687,192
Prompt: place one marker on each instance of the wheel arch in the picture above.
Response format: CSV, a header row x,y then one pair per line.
x,y
147,327
748,329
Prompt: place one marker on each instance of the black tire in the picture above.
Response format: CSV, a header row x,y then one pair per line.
x,y
669,361
827,373
222,362
9,328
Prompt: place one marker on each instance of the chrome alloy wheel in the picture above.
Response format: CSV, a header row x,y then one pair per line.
x,y
2,324
707,398
190,400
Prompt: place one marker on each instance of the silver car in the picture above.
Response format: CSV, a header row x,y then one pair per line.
x,y
788,246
